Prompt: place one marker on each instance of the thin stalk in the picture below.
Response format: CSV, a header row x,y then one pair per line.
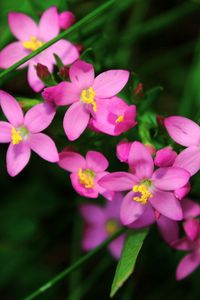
x,y
73,28
74,267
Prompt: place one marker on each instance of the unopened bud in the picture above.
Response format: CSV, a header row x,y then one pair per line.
x,y
42,71
160,120
66,19
64,72
138,91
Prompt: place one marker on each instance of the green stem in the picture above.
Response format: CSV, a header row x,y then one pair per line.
x,y
73,28
75,266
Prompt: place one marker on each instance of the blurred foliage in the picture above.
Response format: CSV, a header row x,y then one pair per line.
x,y
40,229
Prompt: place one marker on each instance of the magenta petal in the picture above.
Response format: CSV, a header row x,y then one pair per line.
x,y
67,52
75,120
96,161
17,158
191,228
183,130
92,214
5,132
165,157
146,219
167,205
118,181
11,109
22,26
183,244
64,93
168,228
49,24
39,117
130,209
71,161
140,160
11,54
80,189
123,150
171,178
34,81
107,194
182,192
187,265
44,146
189,159
110,83
82,74
93,237
116,246
190,208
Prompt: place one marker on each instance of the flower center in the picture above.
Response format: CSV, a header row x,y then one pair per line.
x,y
17,134
143,190
86,177
87,96
33,44
119,119
111,226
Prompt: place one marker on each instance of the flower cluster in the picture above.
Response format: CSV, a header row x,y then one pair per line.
x,y
155,186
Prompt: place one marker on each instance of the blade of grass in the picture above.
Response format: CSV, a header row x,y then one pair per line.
x,y
73,28
74,267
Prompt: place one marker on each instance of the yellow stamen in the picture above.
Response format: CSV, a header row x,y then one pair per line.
x,y
111,226
145,194
86,177
33,44
119,119
87,96
16,136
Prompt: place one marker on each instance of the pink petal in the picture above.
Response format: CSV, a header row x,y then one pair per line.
x,y
192,228
141,161
104,192
17,158
93,237
118,181
123,149
82,74
171,178
146,219
80,189
75,120
165,157
11,109
66,19
34,81
71,161
112,208
39,117
167,205
22,26
67,52
5,132
183,244
168,228
116,246
182,192
190,209
183,130
189,159
44,146
49,24
131,210
92,214
187,265
64,93
110,83
11,54
96,161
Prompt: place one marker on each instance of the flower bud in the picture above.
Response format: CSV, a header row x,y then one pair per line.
x,y
66,19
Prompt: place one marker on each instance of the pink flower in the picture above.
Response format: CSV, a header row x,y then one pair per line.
x,y
114,116
86,94
30,37
147,187
191,242
24,133
102,222
186,133
66,19
85,172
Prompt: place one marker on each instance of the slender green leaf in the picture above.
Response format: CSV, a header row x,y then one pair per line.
x,y
126,265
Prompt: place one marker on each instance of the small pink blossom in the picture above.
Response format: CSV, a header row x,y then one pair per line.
x,y
85,172
147,187
186,133
114,117
24,133
100,223
30,37
85,93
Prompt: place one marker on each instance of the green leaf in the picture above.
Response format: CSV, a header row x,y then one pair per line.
x,y
126,265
